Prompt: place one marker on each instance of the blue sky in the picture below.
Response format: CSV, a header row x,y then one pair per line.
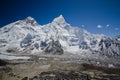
x,y
97,16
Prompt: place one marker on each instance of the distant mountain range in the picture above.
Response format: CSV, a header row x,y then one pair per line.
x,y
56,37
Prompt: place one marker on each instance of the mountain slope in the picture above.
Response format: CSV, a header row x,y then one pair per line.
x,y
28,35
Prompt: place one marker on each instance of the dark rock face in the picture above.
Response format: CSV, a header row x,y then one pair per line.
x,y
26,41
84,45
53,47
43,45
25,78
3,63
110,46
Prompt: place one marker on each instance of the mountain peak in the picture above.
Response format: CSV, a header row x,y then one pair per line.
x,y
31,21
29,18
59,19
61,16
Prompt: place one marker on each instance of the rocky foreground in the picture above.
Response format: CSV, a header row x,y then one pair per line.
x,y
56,70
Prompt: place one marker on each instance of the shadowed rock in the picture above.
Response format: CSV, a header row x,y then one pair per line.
x,y
3,63
53,47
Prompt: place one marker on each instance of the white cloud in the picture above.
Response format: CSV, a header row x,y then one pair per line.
x,y
83,25
107,25
116,28
99,26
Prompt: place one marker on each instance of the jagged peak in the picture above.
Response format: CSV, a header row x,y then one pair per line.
x,y
59,19
31,20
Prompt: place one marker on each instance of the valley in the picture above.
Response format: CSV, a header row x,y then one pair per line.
x,y
52,68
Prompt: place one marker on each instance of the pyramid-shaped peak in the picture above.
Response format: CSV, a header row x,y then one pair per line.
x,y
59,19
31,20
61,16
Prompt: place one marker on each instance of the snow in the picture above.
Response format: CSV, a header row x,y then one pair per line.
x,y
63,43
60,20
30,18
111,66
7,57
71,38
73,49
118,39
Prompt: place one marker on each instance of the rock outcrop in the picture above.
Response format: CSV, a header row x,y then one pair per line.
x,y
54,47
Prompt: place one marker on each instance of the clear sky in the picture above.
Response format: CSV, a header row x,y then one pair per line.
x,y
97,16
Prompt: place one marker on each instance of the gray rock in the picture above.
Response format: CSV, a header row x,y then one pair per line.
x,y
110,47
54,47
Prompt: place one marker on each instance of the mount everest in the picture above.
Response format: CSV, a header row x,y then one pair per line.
x,y
56,37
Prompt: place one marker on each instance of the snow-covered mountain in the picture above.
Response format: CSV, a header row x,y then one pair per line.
x,y
28,35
